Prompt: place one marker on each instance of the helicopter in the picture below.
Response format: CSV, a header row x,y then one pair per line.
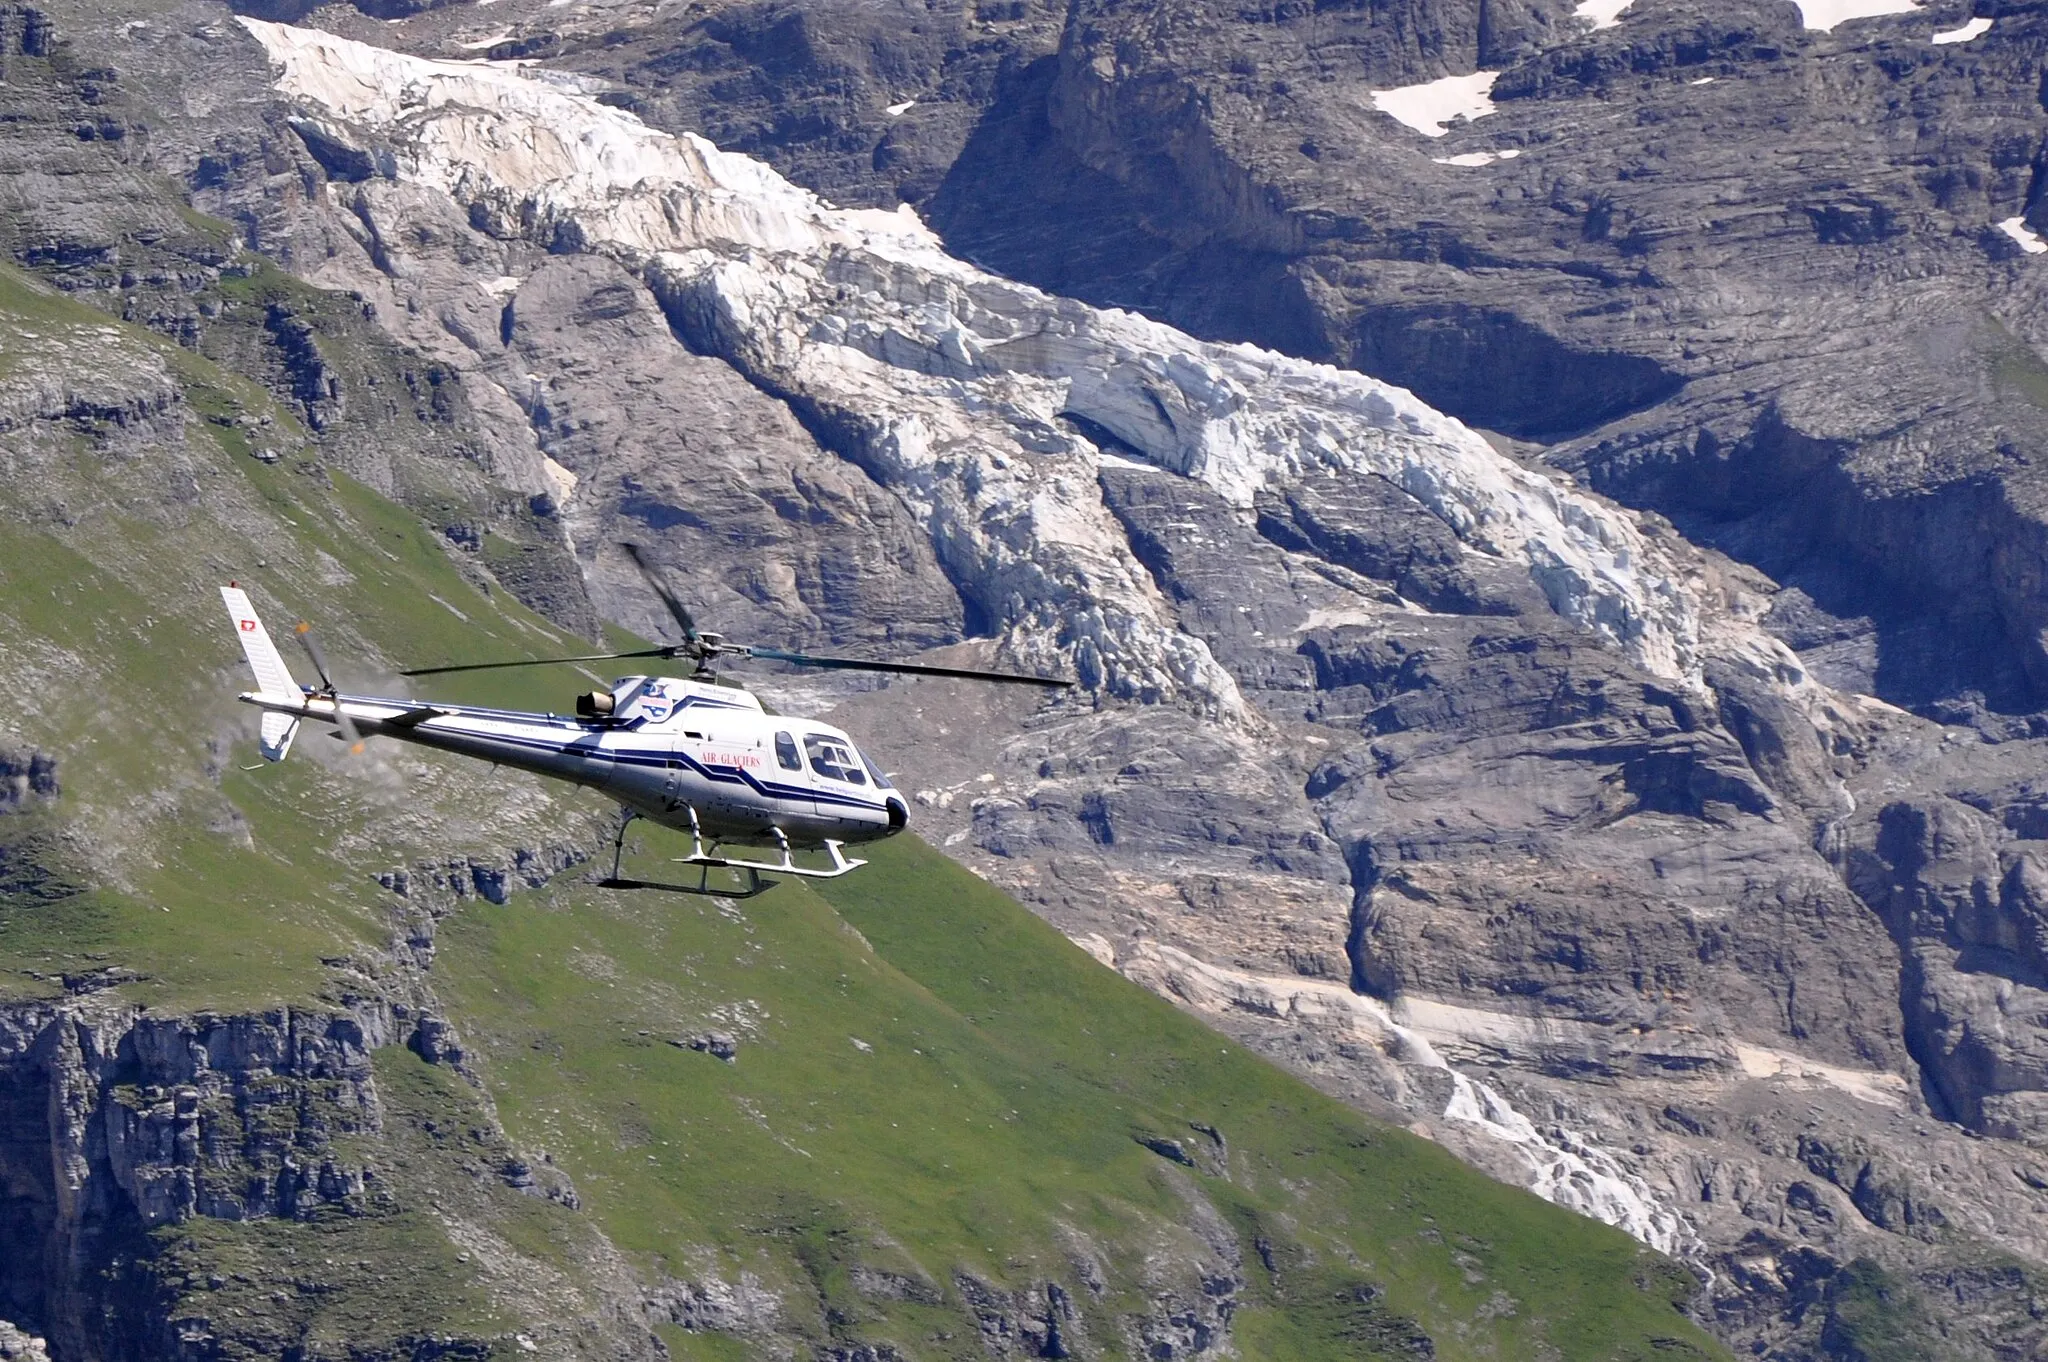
x,y
698,754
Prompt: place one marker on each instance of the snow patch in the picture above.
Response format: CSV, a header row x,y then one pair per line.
x,y
2029,240
1429,107
1969,32
1477,158
1703,80
1337,617
1824,15
898,110
1603,13
491,41
1874,1086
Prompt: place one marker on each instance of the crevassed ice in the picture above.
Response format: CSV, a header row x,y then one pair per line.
x,y
1824,15
1570,1169
1564,1166
1428,107
952,385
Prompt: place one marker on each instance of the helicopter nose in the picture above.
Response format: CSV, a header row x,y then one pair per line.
x,y
899,816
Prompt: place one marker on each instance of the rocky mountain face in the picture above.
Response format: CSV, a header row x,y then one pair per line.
x,y
1642,797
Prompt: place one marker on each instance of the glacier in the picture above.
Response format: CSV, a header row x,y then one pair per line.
x,y
972,397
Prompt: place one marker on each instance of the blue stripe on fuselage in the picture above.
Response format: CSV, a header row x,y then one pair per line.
x,y
656,758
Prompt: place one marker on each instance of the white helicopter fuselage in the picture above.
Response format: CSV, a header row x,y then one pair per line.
x,y
690,755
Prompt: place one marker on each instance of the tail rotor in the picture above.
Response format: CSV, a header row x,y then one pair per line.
x,y
349,732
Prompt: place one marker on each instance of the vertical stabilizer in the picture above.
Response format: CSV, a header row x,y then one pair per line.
x,y
273,678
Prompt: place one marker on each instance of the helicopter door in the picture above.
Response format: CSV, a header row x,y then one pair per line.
x,y
790,775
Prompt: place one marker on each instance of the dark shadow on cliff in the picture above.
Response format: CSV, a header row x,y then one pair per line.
x,y
1017,202
1897,594
1494,370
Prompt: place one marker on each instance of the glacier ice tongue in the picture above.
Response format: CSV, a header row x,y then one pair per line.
x,y
1563,1166
965,393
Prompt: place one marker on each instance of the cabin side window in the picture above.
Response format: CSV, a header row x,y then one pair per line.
x,y
830,759
786,755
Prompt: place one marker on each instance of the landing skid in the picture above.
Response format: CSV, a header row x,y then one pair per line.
x,y
754,885
705,862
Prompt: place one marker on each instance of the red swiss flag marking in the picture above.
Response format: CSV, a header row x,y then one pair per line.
x,y
248,626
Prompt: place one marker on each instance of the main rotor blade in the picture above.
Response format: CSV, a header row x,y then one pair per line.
x,y
535,662
855,664
668,598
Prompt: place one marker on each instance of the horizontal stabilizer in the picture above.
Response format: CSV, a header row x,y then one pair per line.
x,y
276,736
414,717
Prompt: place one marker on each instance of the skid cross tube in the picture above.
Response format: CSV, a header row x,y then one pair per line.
x,y
841,862
707,859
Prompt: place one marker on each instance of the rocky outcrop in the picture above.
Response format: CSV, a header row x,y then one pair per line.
x,y
118,1122
1962,883
26,776
16,1346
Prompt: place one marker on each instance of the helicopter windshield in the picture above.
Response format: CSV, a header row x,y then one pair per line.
x,y
831,759
875,772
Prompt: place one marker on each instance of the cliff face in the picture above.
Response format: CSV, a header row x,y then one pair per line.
x,y
135,1143
119,1123
1602,845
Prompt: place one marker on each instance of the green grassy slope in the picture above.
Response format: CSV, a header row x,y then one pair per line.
x,y
932,1081
938,1105
225,887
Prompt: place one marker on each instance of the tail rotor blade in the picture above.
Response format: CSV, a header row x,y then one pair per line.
x,y
312,646
855,664
349,732
668,598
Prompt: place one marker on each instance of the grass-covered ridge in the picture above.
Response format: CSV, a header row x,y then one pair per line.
x,y
223,887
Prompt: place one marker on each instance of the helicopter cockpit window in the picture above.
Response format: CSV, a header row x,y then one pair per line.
x,y
786,755
831,759
881,781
